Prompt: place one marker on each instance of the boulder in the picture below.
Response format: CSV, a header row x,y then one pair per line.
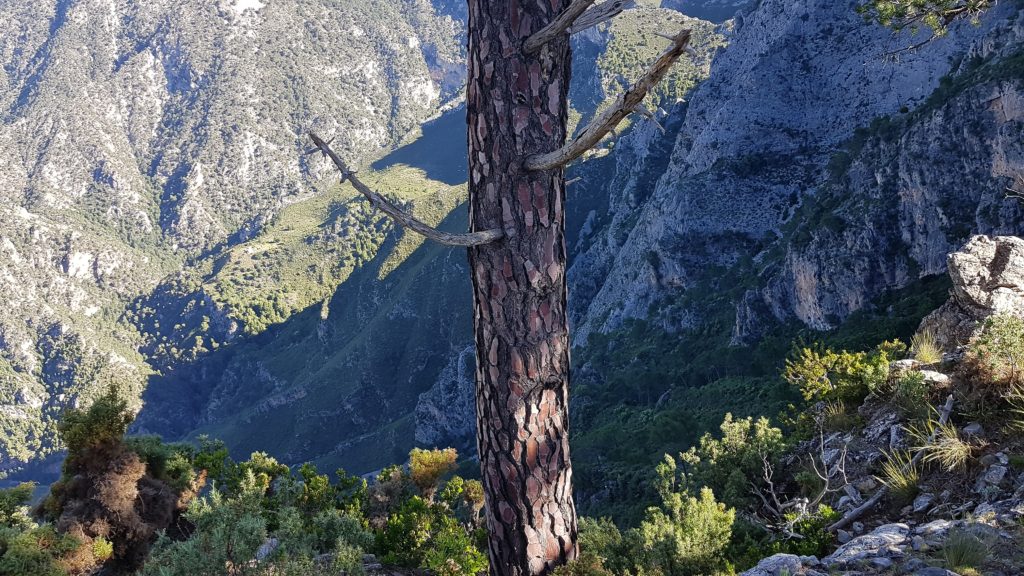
x,y
885,542
988,279
785,565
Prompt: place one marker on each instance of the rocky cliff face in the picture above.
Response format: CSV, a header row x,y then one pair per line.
x,y
817,167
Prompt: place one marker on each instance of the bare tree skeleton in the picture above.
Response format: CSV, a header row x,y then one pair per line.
x,y
833,478
517,114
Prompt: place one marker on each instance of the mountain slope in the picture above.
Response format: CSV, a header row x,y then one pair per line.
x,y
136,137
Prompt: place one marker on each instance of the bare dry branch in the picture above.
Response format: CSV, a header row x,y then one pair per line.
x,y
557,27
401,217
857,512
603,12
1016,191
623,106
643,111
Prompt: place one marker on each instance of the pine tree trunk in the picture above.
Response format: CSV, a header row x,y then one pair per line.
x,y
517,106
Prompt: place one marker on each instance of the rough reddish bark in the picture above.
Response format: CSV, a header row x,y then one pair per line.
x,y
517,106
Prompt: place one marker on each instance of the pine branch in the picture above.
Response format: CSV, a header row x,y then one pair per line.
x,y
401,217
625,105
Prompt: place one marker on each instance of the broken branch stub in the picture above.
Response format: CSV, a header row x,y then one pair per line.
x,y
559,26
400,216
603,12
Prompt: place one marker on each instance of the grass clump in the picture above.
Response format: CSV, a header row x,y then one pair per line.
x,y
1015,416
835,417
900,475
942,445
964,551
924,348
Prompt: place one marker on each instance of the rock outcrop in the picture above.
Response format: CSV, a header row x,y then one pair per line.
x,y
811,170
988,279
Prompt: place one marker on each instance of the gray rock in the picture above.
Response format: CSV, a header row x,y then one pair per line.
x,y
897,437
777,565
843,536
903,366
988,279
935,528
935,379
858,527
267,548
932,571
881,562
923,502
882,542
974,430
995,475
866,485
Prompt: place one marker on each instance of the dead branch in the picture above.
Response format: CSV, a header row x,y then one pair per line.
x,y
401,217
1017,191
643,111
623,106
603,12
557,27
857,512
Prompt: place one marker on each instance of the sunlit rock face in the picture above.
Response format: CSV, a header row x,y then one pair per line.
x,y
813,171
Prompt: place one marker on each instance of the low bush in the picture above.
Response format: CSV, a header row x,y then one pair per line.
x,y
824,374
729,464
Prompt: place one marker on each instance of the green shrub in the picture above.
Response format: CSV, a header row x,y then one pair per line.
x,y
102,549
451,551
103,424
935,14
424,535
600,537
170,463
729,464
427,467
587,564
824,374
227,532
687,535
391,489
334,529
1000,348
403,541
816,540
35,552
910,392
14,506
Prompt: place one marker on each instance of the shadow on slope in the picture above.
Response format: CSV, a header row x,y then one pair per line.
x,y
337,386
440,151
